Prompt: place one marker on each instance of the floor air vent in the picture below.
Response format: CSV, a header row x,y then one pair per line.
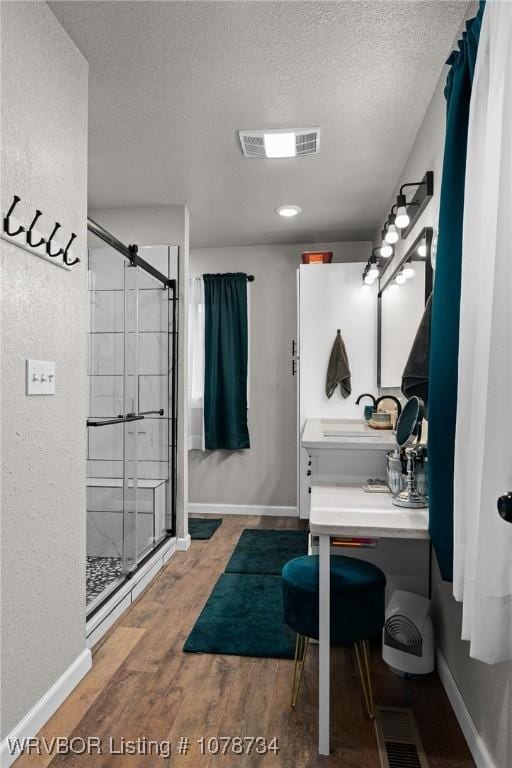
x,y
398,739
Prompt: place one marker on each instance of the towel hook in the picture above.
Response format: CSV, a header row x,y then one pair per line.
x,y
29,231
60,251
65,253
7,230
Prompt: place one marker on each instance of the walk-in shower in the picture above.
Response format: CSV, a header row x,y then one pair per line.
x,y
131,435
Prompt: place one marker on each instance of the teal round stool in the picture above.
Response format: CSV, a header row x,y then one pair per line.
x,y
357,610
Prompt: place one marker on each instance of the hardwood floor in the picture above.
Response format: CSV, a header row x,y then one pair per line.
x,y
143,686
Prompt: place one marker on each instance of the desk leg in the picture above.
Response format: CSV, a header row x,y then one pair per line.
x,y
324,646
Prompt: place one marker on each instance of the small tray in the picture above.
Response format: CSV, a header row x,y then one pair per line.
x,y
377,425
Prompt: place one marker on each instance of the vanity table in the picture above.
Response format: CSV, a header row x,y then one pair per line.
x,y
349,511
347,452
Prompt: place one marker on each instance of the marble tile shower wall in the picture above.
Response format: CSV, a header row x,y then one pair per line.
x,y
106,361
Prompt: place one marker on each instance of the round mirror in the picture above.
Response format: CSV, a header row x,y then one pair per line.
x,y
408,428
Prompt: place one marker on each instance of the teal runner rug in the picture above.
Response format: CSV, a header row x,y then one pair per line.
x,y
265,551
203,527
243,617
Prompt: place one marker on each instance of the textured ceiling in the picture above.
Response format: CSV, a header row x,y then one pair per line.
x,y
172,82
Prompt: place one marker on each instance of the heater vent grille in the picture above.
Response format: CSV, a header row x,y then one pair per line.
x,y
398,739
307,142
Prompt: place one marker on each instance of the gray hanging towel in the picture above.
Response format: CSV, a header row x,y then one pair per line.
x,y
415,375
338,370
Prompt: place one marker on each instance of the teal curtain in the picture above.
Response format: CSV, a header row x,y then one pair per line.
x,y
226,352
444,343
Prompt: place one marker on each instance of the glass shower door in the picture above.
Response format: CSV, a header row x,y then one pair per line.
x,y
130,434
131,416
153,399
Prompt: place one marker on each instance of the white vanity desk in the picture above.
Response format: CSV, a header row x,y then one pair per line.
x,y
338,510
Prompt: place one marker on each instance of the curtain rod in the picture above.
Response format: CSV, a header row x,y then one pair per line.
x,y
250,278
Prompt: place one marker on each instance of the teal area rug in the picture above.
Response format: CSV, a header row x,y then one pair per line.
x,y
243,617
265,551
203,527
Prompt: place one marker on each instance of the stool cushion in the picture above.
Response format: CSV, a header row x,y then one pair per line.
x,y
357,598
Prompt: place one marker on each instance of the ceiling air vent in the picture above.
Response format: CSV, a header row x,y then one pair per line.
x,y
280,143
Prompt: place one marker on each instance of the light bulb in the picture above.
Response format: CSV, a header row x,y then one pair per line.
x,y
392,234
422,249
402,217
408,271
373,272
400,278
366,286
368,279
386,250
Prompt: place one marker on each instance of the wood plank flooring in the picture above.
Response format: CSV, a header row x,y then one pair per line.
x,y
142,685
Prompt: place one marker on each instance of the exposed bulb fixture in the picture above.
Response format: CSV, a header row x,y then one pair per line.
x,y
368,280
402,219
288,210
408,271
400,278
422,249
392,235
386,250
373,270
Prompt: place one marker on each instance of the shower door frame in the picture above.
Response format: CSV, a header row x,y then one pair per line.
x,y
130,252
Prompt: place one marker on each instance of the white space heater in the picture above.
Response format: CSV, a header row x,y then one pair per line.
x,y
408,634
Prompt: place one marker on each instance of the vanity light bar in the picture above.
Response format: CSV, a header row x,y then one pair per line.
x,y
405,213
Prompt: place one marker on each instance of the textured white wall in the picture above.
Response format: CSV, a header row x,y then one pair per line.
x,y
44,160
266,474
162,225
486,690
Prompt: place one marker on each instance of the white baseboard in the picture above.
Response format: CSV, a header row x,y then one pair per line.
x,y
241,509
183,543
44,708
476,744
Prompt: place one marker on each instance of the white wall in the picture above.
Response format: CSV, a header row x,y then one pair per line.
x,y
266,474
162,225
486,690
44,161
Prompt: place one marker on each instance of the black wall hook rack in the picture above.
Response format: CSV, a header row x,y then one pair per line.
x,y
31,243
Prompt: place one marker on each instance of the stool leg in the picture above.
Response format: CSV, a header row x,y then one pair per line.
x,y
301,649
362,651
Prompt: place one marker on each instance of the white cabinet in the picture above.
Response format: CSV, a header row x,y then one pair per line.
x,y
332,297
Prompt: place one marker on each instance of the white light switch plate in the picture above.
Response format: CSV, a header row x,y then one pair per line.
x,y
40,377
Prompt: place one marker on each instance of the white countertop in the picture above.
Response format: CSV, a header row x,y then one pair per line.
x,y
336,434
349,511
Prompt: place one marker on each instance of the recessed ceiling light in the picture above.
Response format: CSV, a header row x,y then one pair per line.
x,y
288,210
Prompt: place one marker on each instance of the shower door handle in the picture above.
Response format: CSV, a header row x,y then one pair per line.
x,y
505,507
